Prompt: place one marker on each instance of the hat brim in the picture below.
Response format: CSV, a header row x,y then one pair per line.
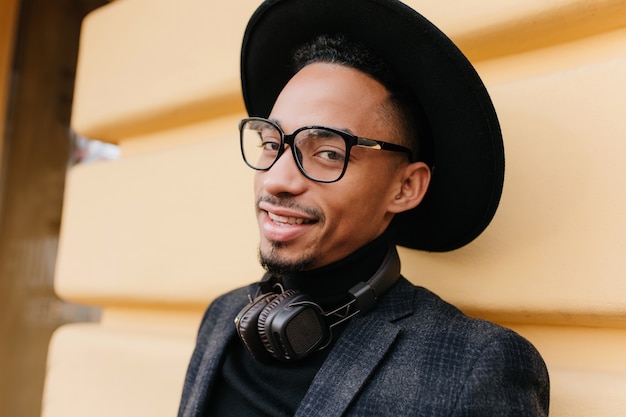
x,y
468,170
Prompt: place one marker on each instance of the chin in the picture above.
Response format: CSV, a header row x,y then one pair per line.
x,y
276,261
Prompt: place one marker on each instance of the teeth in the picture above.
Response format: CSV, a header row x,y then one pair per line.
x,y
283,219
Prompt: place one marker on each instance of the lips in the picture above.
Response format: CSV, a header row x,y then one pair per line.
x,y
287,220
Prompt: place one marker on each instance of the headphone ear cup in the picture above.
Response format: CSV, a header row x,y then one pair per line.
x,y
264,331
293,326
247,327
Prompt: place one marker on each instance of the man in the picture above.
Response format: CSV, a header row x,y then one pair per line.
x,y
380,133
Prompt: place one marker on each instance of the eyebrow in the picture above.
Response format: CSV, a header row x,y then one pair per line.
x,y
347,130
275,121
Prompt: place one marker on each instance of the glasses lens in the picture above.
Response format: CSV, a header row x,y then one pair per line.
x,y
260,143
321,153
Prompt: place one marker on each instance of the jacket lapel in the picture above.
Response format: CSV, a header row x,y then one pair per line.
x,y
210,354
361,347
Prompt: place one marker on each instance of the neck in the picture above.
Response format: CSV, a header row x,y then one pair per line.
x,y
329,284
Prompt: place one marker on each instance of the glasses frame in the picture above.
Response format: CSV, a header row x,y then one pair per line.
x,y
288,139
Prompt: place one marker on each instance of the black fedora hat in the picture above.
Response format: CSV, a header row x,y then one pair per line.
x,y
468,152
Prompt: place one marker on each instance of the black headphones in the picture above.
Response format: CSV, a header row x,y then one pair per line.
x,y
289,325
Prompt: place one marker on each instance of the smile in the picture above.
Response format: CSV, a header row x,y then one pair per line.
x,y
287,220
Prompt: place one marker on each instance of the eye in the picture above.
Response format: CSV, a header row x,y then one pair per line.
x,y
331,155
269,140
324,145
270,145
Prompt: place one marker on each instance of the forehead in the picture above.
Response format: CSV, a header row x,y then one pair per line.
x,y
332,95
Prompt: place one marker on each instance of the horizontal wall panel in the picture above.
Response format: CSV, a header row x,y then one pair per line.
x,y
169,63
587,368
486,28
146,64
171,225
556,245
101,372
587,394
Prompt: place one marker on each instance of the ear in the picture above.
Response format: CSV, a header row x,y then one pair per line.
x,y
414,180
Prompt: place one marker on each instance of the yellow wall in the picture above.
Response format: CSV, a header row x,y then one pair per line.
x,y
154,236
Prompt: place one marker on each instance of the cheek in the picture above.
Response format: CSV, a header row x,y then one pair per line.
x,y
371,188
256,183
356,205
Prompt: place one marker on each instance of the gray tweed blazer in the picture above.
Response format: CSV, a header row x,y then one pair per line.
x,y
412,355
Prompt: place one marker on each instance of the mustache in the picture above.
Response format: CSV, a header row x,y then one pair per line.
x,y
291,203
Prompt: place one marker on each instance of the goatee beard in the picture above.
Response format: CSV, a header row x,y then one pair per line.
x,y
273,263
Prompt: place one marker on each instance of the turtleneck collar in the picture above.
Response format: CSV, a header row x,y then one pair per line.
x,y
329,285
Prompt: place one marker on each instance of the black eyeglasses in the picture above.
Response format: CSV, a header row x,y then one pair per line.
x,y
321,153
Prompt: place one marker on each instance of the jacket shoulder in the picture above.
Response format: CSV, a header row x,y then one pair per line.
x,y
448,359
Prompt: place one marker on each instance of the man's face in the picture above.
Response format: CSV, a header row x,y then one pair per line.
x,y
305,224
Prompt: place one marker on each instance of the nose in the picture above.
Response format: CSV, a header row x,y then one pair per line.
x,y
284,176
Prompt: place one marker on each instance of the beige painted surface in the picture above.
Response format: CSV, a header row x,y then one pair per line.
x,y
155,235
587,368
116,372
556,245
165,63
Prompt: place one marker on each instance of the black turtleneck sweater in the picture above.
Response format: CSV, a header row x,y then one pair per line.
x,y
247,387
